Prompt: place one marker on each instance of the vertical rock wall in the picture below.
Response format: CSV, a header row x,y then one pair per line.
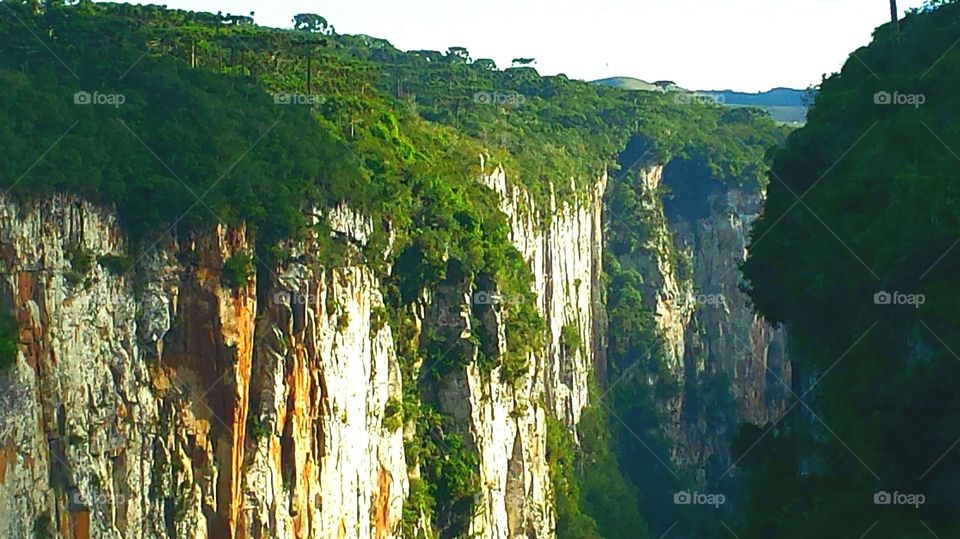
x,y
161,403
167,409
507,422
712,342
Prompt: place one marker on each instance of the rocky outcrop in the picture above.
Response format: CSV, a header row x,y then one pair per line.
x,y
152,398
731,366
565,255
155,403
507,421
324,462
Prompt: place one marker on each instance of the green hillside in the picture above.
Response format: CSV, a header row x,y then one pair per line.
x,y
785,105
194,119
856,254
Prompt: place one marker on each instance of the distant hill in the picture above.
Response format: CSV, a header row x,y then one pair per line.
x,y
777,97
630,83
786,105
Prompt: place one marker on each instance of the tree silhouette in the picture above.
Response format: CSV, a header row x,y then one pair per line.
x,y
310,22
893,10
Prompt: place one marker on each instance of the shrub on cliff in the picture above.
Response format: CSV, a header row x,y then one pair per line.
x,y
570,340
116,264
237,270
9,338
81,263
450,467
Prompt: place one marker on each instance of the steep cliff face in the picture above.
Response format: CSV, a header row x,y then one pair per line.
x,y
731,366
155,404
508,422
325,462
565,255
159,402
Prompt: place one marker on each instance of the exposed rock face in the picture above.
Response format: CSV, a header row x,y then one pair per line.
x,y
566,260
669,296
508,424
326,465
162,403
173,411
709,332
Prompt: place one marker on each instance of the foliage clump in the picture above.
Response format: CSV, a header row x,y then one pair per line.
x,y
393,415
593,497
116,264
570,339
81,263
258,428
237,270
9,339
449,465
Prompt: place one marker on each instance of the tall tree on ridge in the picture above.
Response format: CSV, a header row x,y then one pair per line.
x,y
894,15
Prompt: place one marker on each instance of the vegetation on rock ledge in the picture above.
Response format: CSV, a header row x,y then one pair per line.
x,y
9,340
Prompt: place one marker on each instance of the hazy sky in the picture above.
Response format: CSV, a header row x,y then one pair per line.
x,y
746,45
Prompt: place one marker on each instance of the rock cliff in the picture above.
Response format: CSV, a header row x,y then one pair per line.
x,y
153,400
730,364
156,401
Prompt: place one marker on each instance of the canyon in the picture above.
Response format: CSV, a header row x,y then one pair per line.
x,y
371,304
264,409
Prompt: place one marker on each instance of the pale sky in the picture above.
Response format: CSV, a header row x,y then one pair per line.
x,y
747,45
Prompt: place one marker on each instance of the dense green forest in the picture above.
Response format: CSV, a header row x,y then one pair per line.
x,y
186,120
856,253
